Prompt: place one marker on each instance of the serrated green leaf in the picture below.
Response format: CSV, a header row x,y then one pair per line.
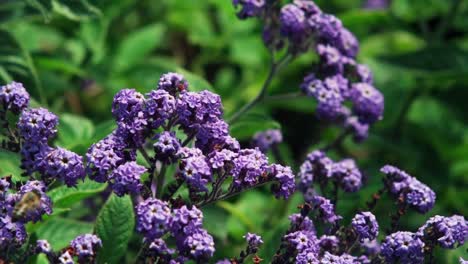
x,y
60,231
137,45
64,196
250,124
114,225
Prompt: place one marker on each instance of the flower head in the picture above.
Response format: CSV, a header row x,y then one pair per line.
x,y
33,193
194,169
65,165
266,139
249,8
37,125
160,105
173,83
166,147
249,166
403,247
254,241
365,225
43,246
325,209
285,179
153,218
14,97
368,102
86,245
448,232
125,179
347,174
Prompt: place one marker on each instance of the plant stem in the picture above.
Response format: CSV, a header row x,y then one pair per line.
x,y
232,192
188,139
275,66
146,156
160,181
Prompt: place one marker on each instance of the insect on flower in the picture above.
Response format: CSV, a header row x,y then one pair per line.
x,y
28,203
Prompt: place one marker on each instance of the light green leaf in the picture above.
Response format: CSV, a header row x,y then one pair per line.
x,y
137,45
10,165
75,10
114,225
64,196
60,231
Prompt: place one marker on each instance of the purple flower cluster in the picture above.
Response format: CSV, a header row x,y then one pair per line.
x,y
403,247
365,225
413,192
63,164
253,241
447,232
155,219
318,168
85,246
339,79
29,204
14,97
265,140
125,179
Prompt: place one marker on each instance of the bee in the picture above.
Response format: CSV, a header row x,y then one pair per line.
x,y
29,202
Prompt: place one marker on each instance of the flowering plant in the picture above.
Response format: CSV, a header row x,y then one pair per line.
x,y
170,155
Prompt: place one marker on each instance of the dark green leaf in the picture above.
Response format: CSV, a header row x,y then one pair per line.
x,y
10,165
114,225
75,132
248,125
64,196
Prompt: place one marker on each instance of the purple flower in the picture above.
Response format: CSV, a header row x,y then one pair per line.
x,y
254,241
311,85
37,125
173,83
32,192
309,7
462,261
364,74
199,245
293,23
339,84
448,232
303,241
11,233
166,146
403,247
299,222
326,26
224,261
329,258
365,225
348,43
160,105
222,159
285,178
103,157
307,257
33,156
153,218
371,247
66,258
347,174
266,139
195,109
43,246
211,134
65,165
194,169
125,179
86,245
316,167
396,180
249,167
126,104
360,130
159,247
329,243
186,221
330,57
249,8
4,187
14,97
368,102
325,209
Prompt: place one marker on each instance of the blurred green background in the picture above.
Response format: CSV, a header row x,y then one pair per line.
x,y
73,56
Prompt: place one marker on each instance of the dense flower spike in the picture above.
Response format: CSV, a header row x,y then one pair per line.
x,y
266,139
172,83
125,179
403,247
365,225
448,232
37,125
153,218
86,245
14,97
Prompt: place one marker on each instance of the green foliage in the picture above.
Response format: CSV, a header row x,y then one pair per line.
x,y
60,231
64,197
114,225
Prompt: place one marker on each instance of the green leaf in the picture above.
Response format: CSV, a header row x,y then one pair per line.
x,y
248,125
60,231
10,165
114,225
75,132
417,10
64,196
75,10
137,45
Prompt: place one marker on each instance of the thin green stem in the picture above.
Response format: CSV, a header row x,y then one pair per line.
x,y
146,156
275,67
160,181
